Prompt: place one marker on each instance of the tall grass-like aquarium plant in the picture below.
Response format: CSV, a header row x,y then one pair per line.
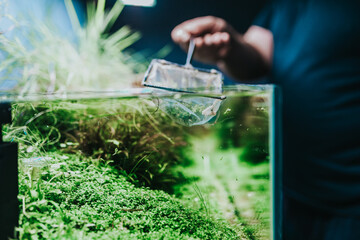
x,y
100,159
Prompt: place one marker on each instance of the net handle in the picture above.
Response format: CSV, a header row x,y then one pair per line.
x,y
190,52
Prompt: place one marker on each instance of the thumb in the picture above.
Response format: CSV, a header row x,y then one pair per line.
x,y
180,36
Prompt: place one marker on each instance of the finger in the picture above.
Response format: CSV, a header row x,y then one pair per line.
x,y
225,44
224,37
197,27
200,26
208,40
180,36
217,39
205,51
199,42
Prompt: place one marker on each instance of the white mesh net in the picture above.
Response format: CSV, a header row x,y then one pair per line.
x,y
174,77
186,110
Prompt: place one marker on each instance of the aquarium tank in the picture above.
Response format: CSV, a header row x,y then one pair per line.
x,y
87,152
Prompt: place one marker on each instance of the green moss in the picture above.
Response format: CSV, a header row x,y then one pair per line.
x,y
71,198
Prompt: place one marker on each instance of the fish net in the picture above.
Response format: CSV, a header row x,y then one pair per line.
x,y
202,90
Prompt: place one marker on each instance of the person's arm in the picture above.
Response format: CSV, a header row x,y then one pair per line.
x,y
242,57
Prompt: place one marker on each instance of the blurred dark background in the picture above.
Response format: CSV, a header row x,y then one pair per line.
x,y
155,23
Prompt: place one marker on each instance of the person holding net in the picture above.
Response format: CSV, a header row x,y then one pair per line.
x,y
311,49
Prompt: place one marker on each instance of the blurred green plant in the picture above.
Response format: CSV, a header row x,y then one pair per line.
x,y
52,63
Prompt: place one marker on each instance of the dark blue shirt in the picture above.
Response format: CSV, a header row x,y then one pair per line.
x,y
317,63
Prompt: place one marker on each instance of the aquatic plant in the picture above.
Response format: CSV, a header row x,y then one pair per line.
x,y
44,61
141,141
72,198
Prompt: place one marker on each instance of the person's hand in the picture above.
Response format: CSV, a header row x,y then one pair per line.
x,y
213,38
242,57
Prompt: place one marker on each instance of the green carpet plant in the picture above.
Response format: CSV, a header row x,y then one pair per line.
x,y
74,199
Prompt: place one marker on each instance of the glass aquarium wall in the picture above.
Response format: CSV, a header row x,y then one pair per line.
x,y
142,164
